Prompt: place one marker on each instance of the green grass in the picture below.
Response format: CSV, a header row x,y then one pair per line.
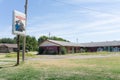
x,y
13,54
64,69
94,53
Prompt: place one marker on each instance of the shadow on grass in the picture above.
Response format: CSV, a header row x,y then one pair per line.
x,y
8,66
7,63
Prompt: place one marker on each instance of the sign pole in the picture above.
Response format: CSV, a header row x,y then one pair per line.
x,y
24,38
18,51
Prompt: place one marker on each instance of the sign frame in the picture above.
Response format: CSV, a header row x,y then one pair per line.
x,y
19,23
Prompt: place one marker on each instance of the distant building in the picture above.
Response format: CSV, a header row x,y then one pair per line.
x,y
110,46
7,48
53,46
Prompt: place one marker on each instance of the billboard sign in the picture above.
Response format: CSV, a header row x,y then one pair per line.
x,y
19,22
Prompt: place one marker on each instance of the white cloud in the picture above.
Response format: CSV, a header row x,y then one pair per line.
x,y
101,23
48,27
92,24
99,19
101,33
72,27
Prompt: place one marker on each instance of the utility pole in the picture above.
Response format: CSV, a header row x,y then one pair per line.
x,y
24,38
77,40
49,35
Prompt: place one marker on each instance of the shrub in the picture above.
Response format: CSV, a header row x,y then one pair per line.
x,y
63,50
41,50
83,50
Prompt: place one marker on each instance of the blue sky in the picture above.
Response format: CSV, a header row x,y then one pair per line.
x,y
85,20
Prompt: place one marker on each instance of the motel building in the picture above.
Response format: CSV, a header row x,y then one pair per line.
x,y
54,47
7,48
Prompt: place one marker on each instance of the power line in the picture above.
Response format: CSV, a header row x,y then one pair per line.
x,y
87,8
49,35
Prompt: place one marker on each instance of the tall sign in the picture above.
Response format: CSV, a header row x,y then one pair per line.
x,y
19,29
19,22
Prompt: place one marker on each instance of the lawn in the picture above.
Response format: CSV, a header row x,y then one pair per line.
x,y
63,69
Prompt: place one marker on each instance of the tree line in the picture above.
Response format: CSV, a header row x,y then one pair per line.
x,y
31,42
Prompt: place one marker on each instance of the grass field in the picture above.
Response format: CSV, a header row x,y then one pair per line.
x,y
63,69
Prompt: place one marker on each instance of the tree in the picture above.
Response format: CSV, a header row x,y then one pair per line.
x,y
43,38
31,43
58,39
7,40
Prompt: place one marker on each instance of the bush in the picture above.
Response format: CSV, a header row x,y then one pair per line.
x,y
63,50
83,50
41,50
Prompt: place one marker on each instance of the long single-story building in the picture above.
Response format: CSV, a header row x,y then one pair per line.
x,y
110,46
7,48
53,46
